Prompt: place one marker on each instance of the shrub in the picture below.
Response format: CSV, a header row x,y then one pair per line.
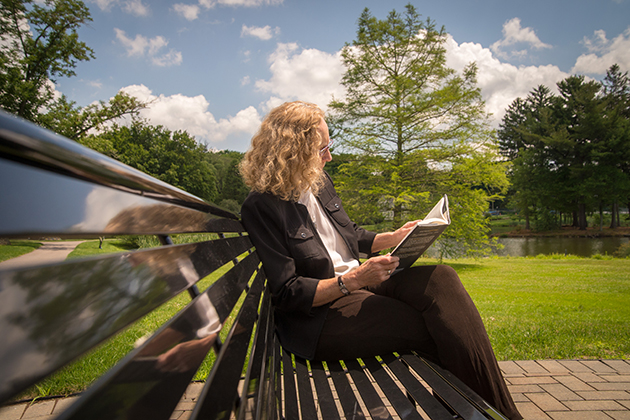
x,y
623,251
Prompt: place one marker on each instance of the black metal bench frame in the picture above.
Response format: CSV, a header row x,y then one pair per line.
x,y
52,314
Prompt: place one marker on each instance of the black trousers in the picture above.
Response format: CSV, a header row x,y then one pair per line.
x,y
425,309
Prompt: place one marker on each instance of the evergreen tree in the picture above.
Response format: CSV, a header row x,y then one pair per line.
x,y
569,152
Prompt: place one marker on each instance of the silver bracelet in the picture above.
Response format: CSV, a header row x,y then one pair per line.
x,y
342,286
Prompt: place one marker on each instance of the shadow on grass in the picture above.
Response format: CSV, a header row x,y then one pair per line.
x,y
459,267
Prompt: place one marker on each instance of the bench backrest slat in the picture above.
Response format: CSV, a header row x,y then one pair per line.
x,y
34,146
256,381
146,384
39,203
65,309
219,394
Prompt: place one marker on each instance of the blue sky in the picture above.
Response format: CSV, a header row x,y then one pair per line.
x,y
216,67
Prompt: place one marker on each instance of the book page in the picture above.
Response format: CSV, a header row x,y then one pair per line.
x,y
420,238
439,213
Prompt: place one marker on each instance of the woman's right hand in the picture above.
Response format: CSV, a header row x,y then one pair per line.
x,y
372,272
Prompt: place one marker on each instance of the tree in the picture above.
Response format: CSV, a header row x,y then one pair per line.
x,y
402,100
37,45
65,118
615,153
524,136
569,152
230,185
173,157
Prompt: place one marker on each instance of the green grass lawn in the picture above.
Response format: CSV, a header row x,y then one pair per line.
x,y
90,248
552,307
17,248
533,308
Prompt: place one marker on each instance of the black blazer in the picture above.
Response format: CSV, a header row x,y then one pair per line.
x,y
295,259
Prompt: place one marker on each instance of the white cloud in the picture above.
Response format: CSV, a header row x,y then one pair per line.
x,y
500,83
93,83
514,34
307,74
240,3
603,53
141,46
191,11
135,46
171,58
134,7
265,33
179,112
313,75
105,4
188,11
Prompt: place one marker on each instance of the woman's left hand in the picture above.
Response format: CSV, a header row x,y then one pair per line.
x,y
391,239
402,231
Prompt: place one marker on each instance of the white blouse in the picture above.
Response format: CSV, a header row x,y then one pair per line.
x,y
338,251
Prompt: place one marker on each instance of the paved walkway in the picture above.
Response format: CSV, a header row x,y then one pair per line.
x,y
49,252
543,390
570,389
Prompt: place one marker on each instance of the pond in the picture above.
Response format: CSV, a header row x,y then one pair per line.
x,y
583,247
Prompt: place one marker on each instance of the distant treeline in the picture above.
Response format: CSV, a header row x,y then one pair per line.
x,y
570,152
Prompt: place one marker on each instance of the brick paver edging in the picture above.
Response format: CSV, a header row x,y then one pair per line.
x,y
542,390
570,389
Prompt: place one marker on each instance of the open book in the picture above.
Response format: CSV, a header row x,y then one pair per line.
x,y
422,235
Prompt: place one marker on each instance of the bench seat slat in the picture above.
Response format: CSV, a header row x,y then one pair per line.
x,y
429,404
305,391
351,407
404,408
217,399
291,409
325,398
461,405
370,397
465,390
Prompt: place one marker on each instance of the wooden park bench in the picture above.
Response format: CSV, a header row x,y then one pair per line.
x,y
52,314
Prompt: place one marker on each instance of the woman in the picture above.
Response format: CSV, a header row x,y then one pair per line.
x,y
328,306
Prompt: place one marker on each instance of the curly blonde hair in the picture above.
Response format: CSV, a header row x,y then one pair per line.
x,y
283,158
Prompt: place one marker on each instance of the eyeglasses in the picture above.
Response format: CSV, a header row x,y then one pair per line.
x,y
327,147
